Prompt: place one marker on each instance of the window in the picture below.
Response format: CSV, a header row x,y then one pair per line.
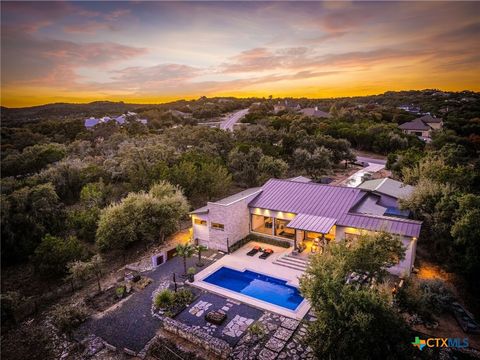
x,y
218,226
262,224
282,230
200,222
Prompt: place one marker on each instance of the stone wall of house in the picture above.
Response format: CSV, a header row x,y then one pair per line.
x,y
198,337
201,232
235,218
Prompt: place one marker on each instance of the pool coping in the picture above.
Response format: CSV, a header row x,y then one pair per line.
x,y
298,314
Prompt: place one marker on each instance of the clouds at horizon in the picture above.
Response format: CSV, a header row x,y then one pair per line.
x,y
159,51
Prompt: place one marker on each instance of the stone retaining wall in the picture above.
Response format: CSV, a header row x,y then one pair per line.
x,y
198,337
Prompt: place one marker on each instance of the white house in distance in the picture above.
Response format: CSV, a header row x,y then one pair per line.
x,y
422,126
303,212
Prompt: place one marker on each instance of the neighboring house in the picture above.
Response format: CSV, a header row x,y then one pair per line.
x,y
410,108
314,112
286,105
422,126
299,211
91,122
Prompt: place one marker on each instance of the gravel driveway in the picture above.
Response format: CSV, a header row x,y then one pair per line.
x,y
131,325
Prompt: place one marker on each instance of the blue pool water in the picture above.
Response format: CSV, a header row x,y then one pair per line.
x,y
258,286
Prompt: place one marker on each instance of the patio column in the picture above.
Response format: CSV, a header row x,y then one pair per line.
x,y
273,226
295,240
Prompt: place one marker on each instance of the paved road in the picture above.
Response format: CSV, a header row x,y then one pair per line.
x,y
132,325
371,160
230,120
374,165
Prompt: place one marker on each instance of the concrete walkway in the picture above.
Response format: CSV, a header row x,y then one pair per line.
x,y
132,325
374,165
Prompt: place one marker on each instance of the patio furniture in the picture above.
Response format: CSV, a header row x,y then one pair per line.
x,y
254,250
266,254
301,246
216,317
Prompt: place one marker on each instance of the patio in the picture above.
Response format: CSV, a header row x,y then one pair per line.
x,y
239,317
272,266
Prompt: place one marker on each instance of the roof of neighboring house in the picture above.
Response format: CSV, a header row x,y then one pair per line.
x,y
315,112
416,124
317,205
91,122
388,187
429,119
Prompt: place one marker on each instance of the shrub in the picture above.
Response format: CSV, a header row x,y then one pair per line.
x,y
436,295
183,297
120,291
257,329
191,271
164,299
67,317
424,297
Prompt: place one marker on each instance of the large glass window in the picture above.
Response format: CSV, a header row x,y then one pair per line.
x,y
218,226
262,224
282,230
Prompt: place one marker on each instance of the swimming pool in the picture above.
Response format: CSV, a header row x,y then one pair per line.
x,y
258,286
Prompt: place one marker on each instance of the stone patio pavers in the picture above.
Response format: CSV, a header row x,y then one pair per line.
x,y
266,354
199,308
290,324
275,344
283,334
237,326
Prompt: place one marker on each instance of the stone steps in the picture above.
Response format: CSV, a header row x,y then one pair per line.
x,y
292,263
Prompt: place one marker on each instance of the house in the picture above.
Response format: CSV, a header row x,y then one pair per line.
x,y
422,126
301,212
314,112
387,192
286,105
120,120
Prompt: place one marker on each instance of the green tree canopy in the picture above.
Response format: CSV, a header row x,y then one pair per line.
x,y
141,217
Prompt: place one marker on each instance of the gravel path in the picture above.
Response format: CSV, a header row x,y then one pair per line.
x,y
131,325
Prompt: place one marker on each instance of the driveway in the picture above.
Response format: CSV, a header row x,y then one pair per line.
x,y
230,120
374,165
132,325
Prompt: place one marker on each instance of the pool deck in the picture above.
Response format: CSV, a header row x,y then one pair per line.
x,y
239,260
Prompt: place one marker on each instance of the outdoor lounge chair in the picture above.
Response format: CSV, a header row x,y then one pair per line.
x,y
254,250
266,254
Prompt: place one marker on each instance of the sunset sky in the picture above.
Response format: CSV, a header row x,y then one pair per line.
x,y
150,52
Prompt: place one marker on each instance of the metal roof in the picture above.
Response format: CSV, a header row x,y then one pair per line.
x,y
381,223
327,201
306,198
388,187
238,196
313,223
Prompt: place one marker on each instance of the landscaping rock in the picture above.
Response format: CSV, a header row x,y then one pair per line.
x,y
290,324
283,334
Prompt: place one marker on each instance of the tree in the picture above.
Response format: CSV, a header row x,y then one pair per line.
x,y
200,249
466,233
54,253
185,251
349,320
314,164
141,217
83,270
28,214
269,167
32,159
243,164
